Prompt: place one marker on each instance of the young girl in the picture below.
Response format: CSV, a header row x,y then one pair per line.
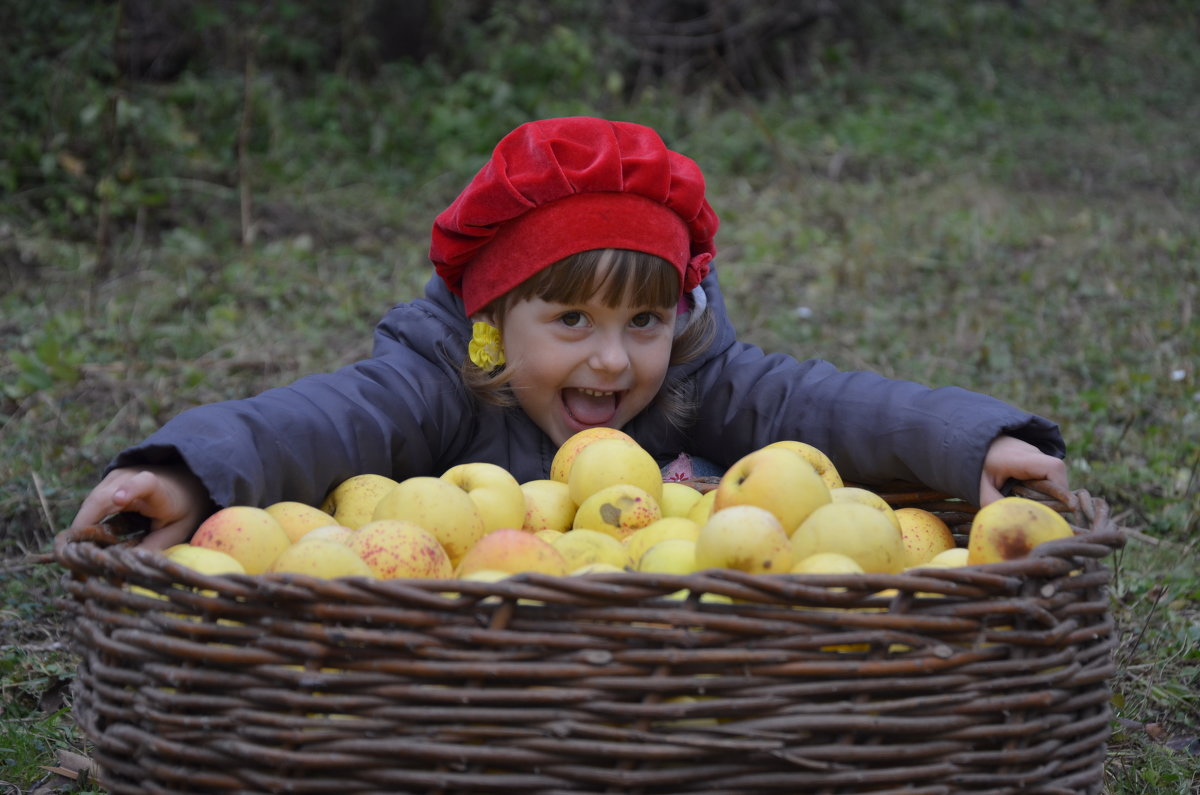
x,y
574,289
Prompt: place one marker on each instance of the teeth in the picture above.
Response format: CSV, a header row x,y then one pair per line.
x,y
595,392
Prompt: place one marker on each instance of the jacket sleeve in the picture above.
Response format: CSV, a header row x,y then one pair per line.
x,y
875,429
397,414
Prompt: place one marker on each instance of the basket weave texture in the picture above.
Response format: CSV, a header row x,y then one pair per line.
x,y
988,679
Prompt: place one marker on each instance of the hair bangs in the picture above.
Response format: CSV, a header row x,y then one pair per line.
x,y
614,276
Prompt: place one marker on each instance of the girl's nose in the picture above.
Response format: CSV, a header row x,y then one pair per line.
x,y
609,354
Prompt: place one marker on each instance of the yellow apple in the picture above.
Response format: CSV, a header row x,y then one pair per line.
x,y
948,559
865,497
297,518
330,532
830,563
855,530
582,546
547,535
548,505
495,492
665,528
1010,527
954,558
486,575
320,558
596,568
747,538
774,479
678,499
205,560
817,458
352,502
480,575
827,563
438,506
703,507
395,548
672,556
514,551
560,466
608,462
250,535
924,535
619,510
708,598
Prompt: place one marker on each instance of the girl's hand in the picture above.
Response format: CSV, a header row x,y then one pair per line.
x,y
171,497
1010,458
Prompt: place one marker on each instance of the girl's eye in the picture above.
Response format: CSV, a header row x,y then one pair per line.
x,y
644,320
572,319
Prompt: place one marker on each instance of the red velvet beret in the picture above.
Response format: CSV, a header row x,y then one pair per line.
x,y
557,187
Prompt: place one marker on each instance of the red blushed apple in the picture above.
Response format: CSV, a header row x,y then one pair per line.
x,y
395,548
439,506
514,551
250,535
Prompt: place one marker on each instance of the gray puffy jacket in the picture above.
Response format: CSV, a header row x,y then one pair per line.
x,y
405,412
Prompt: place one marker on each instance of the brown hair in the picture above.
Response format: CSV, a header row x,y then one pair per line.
x,y
613,276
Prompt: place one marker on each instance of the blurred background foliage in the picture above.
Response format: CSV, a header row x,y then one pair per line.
x,y
132,115
200,199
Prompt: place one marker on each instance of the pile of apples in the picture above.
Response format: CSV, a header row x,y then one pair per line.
x,y
605,508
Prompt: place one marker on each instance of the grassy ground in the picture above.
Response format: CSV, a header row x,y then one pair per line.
x,y
1007,202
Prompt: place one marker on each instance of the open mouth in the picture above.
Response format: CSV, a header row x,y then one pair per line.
x,y
591,406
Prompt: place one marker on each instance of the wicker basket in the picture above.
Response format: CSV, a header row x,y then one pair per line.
x,y
986,680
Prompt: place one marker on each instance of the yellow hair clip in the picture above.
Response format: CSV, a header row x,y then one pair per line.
x,y
486,350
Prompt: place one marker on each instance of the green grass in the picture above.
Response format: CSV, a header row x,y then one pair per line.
x,y
1005,201
1155,696
36,668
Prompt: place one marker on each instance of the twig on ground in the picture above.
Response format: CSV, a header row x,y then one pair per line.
x,y
37,486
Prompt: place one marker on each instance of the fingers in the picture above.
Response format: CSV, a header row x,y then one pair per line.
x,y
1043,472
1056,472
170,497
1008,457
150,495
101,501
987,492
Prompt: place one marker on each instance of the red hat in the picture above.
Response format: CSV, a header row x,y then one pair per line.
x,y
557,187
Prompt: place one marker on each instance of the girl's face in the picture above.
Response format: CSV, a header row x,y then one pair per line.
x,y
583,365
